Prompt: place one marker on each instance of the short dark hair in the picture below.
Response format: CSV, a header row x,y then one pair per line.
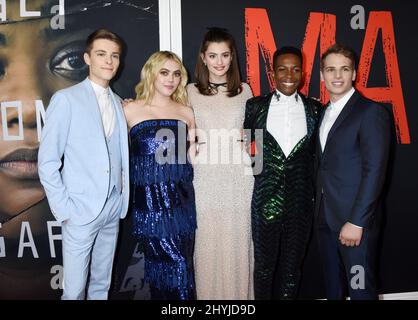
x,y
338,48
234,87
287,50
103,34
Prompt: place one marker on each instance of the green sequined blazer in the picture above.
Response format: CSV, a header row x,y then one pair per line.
x,y
283,185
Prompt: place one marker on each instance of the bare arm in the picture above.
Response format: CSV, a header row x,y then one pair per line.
x,y
192,135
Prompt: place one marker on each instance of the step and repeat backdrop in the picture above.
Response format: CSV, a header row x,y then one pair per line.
x,y
41,51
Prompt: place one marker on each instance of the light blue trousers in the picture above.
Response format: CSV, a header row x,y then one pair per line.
x,y
95,241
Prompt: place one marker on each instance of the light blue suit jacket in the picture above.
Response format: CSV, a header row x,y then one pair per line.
x,y
73,158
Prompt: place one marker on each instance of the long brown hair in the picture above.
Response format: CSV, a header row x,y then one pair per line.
x,y
201,73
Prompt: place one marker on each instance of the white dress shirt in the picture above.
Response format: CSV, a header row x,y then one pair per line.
x,y
286,120
331,114
105,106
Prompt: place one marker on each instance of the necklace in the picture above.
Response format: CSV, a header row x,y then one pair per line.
x,y
216,85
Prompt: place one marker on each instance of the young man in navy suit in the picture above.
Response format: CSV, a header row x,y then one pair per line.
x,y
352,155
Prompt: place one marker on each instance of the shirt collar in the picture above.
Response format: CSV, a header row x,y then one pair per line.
x,y
282,98
98,89
339,105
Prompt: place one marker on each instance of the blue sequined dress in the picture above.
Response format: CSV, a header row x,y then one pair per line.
x,y
163,205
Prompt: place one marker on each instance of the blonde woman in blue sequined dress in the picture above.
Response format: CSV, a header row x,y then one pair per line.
x,y
163,204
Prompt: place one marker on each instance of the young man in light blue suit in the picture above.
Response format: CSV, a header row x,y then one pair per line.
x,y
83,165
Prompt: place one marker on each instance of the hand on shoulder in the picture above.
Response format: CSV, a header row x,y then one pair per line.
x,y
130,108
133,103
126,101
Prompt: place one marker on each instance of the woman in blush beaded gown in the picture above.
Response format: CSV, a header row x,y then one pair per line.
x,y
163,203
223,249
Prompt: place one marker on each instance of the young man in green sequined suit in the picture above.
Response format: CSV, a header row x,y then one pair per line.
x,y
282,203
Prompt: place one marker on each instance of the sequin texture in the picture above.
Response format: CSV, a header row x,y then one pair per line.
x,y
163,206
282,204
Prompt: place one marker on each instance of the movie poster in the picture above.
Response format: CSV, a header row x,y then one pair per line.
x,y
41,51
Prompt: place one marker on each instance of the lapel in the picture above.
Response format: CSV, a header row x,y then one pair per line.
x,y
120,116
263,112
310,119
262,121
318,140
94,109
321,117
115,106
93,105
342,116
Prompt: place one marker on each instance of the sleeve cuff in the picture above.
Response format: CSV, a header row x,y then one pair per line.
x,y
355,225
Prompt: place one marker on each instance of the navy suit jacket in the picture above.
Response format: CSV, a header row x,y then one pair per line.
x,y
352,168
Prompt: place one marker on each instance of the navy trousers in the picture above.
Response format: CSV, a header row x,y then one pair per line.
x,y
348,270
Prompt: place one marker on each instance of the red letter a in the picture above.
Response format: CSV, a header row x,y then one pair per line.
x,y
393,92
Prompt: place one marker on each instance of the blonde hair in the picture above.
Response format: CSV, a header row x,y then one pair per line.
x,y
145,88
